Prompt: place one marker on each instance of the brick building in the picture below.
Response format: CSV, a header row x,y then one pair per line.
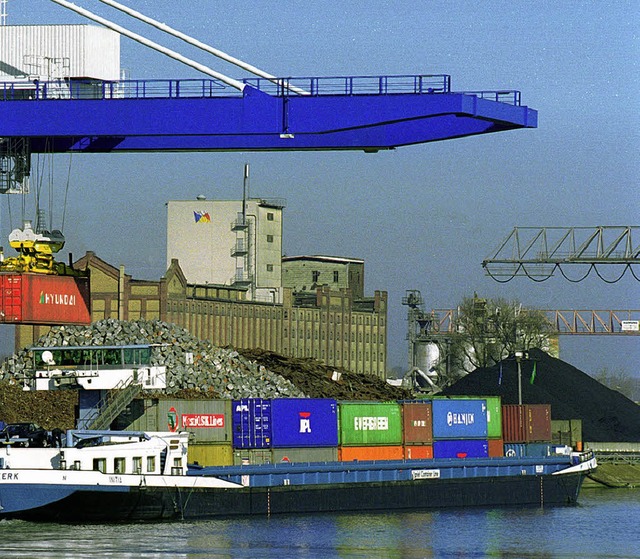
x,y
327,324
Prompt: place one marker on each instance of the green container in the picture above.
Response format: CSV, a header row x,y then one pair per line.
x,y
370,423
494,413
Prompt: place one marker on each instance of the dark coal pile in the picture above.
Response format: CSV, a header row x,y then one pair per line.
x,y
607,415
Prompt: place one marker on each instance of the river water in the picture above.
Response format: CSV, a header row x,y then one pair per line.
x,y
604,525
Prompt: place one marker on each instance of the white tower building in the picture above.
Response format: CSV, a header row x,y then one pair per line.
x,y
229,242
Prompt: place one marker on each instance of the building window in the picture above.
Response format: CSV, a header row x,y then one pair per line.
x,y
269,216
269,267
336,276
315,276
269,238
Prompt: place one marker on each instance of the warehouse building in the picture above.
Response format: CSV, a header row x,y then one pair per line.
x,y
330,325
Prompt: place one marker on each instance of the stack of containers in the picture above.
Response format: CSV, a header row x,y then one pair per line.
x,y
494,423
285,430
304,430
252,433
417,425
370,431
207,421
527,429
460,428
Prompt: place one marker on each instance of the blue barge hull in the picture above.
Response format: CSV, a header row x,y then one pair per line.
x,y
374,486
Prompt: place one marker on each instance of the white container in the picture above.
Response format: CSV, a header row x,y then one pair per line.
x,y
49,52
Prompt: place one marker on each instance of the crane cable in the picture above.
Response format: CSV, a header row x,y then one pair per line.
x,y
66,193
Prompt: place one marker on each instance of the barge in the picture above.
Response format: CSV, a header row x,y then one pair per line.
x,y
117,476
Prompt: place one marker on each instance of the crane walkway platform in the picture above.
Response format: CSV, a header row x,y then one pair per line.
x,y
369,113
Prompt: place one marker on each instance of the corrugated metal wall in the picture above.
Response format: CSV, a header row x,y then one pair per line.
x,y
92,52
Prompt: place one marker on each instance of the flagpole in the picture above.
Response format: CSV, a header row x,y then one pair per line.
x,y
519,355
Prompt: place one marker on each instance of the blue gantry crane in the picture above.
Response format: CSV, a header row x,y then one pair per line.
x,y
264,113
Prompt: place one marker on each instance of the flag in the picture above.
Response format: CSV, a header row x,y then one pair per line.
x,y
533,374
202,217
500,376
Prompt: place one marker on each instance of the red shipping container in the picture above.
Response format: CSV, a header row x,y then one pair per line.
x,y
417,423
526,423
418,452
538,423
513,424
496,448
350,453
44,299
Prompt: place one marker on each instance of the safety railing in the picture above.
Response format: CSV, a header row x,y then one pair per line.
x,y
353,85
509,96
426,84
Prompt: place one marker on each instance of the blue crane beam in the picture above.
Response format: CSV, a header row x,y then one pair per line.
x,y
99,118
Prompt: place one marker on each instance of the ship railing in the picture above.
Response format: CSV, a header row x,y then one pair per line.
x,y
422,84
618,457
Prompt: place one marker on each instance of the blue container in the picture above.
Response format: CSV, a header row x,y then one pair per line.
x,y
251,423
528,450
459,419
304,422
471,448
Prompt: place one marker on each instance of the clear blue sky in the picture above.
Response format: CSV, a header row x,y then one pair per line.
x,y
423,217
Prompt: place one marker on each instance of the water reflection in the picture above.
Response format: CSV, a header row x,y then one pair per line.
x,y
603,525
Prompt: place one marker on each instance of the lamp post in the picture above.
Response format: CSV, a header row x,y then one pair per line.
x,y
519,356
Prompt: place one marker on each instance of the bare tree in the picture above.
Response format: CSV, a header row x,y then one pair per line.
x,y
488,330
619,380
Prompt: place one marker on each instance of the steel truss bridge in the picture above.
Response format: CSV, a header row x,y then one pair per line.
x,y
577,322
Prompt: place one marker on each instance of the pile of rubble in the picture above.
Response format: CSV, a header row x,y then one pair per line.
x,y
195,369
192,365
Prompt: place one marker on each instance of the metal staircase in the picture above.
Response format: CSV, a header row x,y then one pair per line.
x,y
112,405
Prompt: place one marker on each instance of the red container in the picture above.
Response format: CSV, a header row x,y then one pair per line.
x,y
538,423
44,299
513,424
526,423
417,423
496,448
418,452
350,453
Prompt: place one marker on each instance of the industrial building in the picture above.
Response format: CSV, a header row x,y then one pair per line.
x,y
331,326
229,242
307,273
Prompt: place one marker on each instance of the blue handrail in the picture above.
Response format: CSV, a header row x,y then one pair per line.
x,y
425,84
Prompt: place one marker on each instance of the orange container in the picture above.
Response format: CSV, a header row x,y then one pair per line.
x,y
496,448
416,452
350,453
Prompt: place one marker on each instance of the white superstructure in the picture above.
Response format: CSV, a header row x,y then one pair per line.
x,y
58,52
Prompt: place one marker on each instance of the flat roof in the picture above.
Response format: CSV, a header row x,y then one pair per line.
x,y
324,258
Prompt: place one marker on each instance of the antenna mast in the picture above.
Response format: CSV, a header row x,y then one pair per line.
x,y
3,12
